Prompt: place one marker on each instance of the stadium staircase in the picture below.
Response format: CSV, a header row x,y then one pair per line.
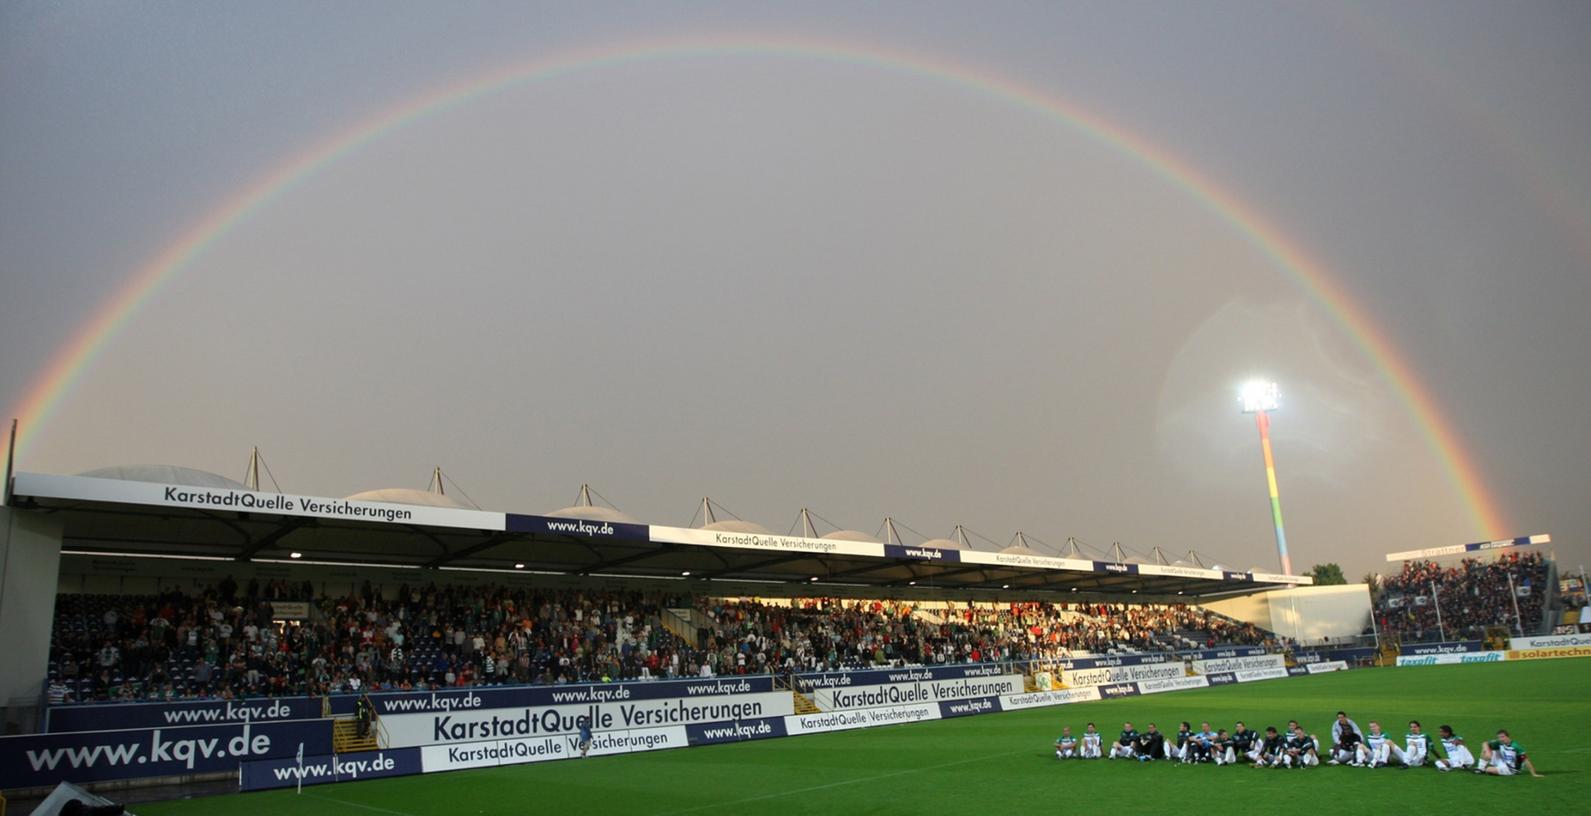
x,y
345,737
803,703
679,623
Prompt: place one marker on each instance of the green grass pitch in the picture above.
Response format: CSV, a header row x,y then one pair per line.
x,y
1003,763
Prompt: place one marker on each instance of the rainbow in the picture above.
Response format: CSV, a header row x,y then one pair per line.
x,y
45,393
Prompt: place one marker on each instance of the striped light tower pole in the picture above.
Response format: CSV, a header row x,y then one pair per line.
x,y
1259,397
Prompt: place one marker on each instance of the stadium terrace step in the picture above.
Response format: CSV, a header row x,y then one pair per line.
x,y
345,737
804,704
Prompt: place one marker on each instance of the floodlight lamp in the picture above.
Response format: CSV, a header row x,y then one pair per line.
x,y
1259,395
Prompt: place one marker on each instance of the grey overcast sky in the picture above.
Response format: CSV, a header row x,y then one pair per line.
x,y
784,281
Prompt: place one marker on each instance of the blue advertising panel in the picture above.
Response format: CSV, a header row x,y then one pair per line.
x,y
39,760
1107,692
922,553
602,530
1119,660
1221,678
470,699
1112,566
880,677
1450,647
1224,654
111,716
737,731
963,708
283,772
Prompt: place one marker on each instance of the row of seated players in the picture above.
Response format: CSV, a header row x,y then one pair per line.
x,y
223,642
1296,749
1472,595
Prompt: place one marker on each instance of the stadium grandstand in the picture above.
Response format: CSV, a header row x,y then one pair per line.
x,y
183,599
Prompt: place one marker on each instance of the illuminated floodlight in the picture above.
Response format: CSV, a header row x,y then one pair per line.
x,y
1259,395
295,555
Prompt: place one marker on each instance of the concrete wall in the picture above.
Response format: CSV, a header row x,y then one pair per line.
x,y
30,556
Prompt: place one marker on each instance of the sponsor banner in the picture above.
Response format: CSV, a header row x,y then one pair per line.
x,y
1113,567
963,708
714,733
409,730
1540,654
1442,648
552,525
1452,658
1121,660
1232,664
1221,678
40,760
1181,572
1251,675
1224,654
1014,702
490,753
1297,671
860,718
283,772
763,541
85,488
1274,578
1115,690
1345,655
1237,576
997,559
929,691
290,610
410,702
1459,549
1549,642
922,553
878,677
1123,674
106,716
1174,684
1326,666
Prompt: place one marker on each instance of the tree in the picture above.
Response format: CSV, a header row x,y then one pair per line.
x,y
1374,581
1327,574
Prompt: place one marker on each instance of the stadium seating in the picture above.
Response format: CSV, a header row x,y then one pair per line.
x,y
223,642
1472,596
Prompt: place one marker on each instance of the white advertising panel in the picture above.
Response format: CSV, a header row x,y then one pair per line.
x,y
1233,664
1524,644
449,727
1451,658
1326,666
1173,684
1122,674
1038,699
1250,675
997,559
860,718
491,753
929,691
85,488
764,541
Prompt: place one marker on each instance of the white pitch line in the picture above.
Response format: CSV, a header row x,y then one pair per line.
x,y
357,805
842,783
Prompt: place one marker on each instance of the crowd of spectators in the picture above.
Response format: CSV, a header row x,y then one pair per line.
x,y
232,642
825,634
1471,596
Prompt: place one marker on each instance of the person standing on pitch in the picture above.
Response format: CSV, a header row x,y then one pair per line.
x,y
585,735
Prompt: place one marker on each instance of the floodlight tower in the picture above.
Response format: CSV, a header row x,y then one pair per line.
x,y
1259,397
